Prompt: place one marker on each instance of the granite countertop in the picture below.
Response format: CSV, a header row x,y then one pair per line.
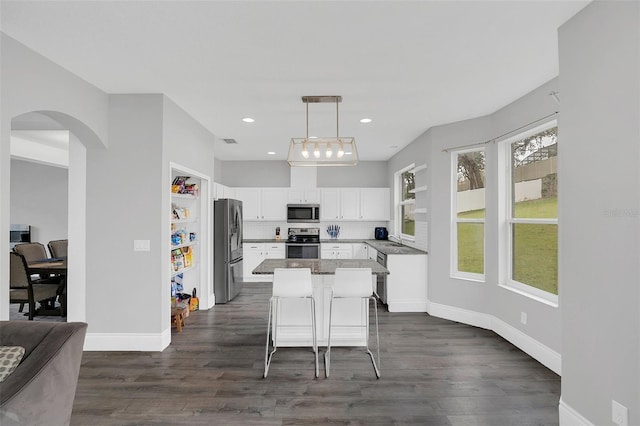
x,y
389,247
383,246
319,266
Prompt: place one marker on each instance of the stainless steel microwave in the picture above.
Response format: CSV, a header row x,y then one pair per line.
x,y
303,213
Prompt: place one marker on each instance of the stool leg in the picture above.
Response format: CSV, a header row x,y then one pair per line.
x,y
313,332
375,367
267,356
327,354
179,322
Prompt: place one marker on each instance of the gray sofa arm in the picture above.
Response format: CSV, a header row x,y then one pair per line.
x,y
42,389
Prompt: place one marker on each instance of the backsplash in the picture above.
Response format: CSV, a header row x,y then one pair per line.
x,y
348,230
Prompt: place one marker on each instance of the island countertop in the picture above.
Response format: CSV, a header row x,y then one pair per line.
x,y
319,266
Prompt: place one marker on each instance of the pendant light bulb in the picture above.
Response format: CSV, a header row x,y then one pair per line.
x,y
329,153
305,150
340,153
316,150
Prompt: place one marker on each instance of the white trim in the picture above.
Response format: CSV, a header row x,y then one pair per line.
x,y
407,305
531,292
570,417
147,342
464,316
542,353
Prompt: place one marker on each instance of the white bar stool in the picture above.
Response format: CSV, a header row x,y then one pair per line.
x,y
353,283
289,284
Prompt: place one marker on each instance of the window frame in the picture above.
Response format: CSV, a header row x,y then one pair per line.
x,y
508,221
399,203
455,220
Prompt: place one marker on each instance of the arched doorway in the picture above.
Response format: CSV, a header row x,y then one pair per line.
x,y
79,137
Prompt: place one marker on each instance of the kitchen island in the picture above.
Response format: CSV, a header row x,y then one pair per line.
x,y
350,317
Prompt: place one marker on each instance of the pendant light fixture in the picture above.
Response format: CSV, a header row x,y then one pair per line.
x,y
322,151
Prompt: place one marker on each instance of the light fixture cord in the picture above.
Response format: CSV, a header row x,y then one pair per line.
x,y
307,102
337,118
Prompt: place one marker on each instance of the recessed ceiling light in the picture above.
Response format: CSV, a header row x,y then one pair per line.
x,y
271,153
393,146
365,120
248,120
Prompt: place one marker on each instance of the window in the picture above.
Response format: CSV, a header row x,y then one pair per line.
x,y
532,212
468,213
406,184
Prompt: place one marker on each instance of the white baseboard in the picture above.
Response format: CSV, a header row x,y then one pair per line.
x,y
148,342
545,355
570,417
407,305
464,316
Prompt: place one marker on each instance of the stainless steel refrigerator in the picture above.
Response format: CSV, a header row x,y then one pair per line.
x,y
227,249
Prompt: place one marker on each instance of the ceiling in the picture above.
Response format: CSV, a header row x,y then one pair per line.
x,y
406,65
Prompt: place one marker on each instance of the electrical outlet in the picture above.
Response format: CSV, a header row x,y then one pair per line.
x,y
619,413
141,245
523,318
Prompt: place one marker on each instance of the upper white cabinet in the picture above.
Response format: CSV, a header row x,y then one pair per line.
x,y
263,203
304,196
375,204
354,204
220,191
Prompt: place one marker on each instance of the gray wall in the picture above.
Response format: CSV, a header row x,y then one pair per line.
x,y
29,82
217,170
599,205
255,174
39,197
366,174
124,193
478,300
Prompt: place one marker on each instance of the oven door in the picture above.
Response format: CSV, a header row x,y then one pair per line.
x,y
303,251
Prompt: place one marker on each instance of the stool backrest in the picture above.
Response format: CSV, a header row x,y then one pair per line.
x,y
292,282
353,282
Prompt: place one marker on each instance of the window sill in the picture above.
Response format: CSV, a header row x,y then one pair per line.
x,y
543,297
466,276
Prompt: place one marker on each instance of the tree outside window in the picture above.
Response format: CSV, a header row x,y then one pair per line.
x,y
407,204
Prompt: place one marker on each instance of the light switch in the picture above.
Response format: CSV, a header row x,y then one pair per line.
x,y
141,245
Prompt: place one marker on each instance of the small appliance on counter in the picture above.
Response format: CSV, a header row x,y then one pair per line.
x,y
381,233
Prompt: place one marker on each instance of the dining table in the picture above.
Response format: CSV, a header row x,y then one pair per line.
x,y
56,266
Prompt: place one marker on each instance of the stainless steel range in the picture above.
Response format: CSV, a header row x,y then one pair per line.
x,y
303,243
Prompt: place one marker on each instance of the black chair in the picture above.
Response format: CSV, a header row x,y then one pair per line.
x,y
22,290
58,248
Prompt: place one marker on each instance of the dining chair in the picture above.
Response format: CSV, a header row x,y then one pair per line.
x,y
58,248
289,284
23,290
33,252
353,283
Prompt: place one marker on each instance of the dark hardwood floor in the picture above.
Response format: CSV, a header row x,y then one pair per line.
x,y
434,372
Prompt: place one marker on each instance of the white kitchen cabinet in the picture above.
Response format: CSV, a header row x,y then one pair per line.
x,y
251,199
274,203
355,204
372,253
340,204
221,191
360,251
335,251
350,204
274,251
330,204
407,282
304,196
375,204
254,253
263,203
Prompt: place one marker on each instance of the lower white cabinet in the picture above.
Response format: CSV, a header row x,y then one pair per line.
x,y
336,251
360,251
254,253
